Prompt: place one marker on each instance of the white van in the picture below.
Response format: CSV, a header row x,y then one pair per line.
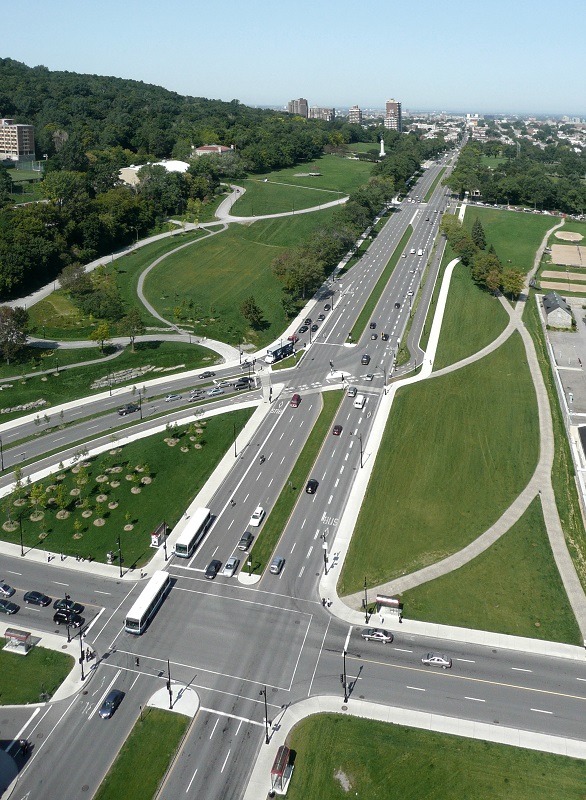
x,y
359,401
420,252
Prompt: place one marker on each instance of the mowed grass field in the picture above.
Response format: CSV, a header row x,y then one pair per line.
x,y
220,272
339,756
25,679
456,452
514,588
473,318
514,234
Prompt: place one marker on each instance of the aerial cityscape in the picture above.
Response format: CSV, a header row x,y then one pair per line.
x,y
293,402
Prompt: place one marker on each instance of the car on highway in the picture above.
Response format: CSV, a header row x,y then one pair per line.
x,y
6,590
37,598
307,321
277,565
245,540
303,329
293,338
212,569
321,317
327,307
427,219
208,374
111,703
312,485
437,660
377,635
171,397
8,607
352,391
314,327
244,383
193,398
372,326
365,360
257,517
404,255
129,408
64,617
215,391
374,336
410,293
397,305
385,337
67,603
412,251
369,376
230,566
337,430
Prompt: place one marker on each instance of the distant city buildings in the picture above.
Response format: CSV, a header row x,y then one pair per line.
x,y
355,115
393,119
17,142
298,107
325,114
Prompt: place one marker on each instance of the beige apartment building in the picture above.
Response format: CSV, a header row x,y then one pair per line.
x,y
17,142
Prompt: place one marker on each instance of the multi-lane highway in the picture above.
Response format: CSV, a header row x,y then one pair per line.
x,y
229,640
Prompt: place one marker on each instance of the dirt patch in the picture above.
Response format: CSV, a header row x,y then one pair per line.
x,y
343,780
568,236
568,255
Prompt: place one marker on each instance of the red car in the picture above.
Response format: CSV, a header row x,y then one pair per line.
x,y
337,430
293,338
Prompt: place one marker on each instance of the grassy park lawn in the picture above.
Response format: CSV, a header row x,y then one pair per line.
x,y
456,452
514,235
26,678
64,385
379,761
39,359
473,318
145,756
513,587
570,225
218,274
491,161
271,531
139,485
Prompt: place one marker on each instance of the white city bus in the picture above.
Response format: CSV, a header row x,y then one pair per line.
x,y
193,533
148,602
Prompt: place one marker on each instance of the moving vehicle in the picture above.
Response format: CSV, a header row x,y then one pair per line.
x,y
148,602
8,607
321,317
314,327
6,590
215,391
295,400
374,336
385,337
337,430
327,307
279,351
230,566
212,569
65,617
207,374
37,599
412,251
193,533
397,305
359,401
243,383
303,329
245,540
293,338
312,485
437,660
410,293
377,635
129,408
369,376
276,565
365,360
372,326
67,603
111,703
257,517
420,252
170,397
352,391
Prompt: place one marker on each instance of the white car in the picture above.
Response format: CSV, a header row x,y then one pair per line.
x,y
437,660
230,566
170,397
257,517
410,293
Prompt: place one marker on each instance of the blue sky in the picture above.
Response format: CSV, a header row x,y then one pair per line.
x,y
500,55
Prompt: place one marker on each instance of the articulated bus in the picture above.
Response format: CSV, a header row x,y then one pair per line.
x,y
148,602
194,532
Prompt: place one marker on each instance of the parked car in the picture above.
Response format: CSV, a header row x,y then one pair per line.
x,y
37,599
212,569
129,408
277,565
170,397
6,590
377,635
8,607
257,516
215,391
68,604
437,660
245,540
64,617
337,430
312,485
111,703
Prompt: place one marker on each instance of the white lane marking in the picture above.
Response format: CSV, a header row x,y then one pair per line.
x,y
476,699
226,760
96,591
540,711
302,571
293,548
231,716
347,454
337,482
283,459
309,552
247,496
238,728
402,650
581,679
415,688
214,728
331,498
341,469
520,669
269,483
191,781
230,525
466,660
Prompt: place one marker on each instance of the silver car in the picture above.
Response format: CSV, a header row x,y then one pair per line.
x,y
230,566
377,635
437,660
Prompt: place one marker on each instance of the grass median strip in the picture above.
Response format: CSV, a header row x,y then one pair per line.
x,y
144,758
376,293
433,185
32,679
273,527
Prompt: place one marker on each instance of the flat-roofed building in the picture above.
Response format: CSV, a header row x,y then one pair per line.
x,y
393,118
299,107
355,115
326,114
17,142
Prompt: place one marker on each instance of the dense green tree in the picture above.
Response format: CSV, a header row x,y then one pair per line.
x,y
478,236
251,312
13,331
512,282
132,326
100,334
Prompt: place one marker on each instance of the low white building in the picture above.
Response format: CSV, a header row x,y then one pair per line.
x,y
129,174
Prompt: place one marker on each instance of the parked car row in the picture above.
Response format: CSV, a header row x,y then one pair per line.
x,y
66,610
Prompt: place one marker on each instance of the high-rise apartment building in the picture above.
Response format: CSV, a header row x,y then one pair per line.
x,y
298,107
327,114
355,115
393,119
17,142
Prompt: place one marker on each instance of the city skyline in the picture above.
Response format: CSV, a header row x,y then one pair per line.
x,y
433,58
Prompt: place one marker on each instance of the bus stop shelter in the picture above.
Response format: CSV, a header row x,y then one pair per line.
x,y
281,771
389,605
17,641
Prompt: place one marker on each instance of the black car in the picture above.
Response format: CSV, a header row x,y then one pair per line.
x,y
321,317
385,337
314,327
64,617
397,305
327,307
8,607
303,329
242,384
212,569
312,485
207,374
308,321
37,599
365,360
129,408
372,326
68,604
111,703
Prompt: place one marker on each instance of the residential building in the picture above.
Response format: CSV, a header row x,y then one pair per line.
x,y
355,115
327,114
393,119
211,149
129,175
17,142
298,107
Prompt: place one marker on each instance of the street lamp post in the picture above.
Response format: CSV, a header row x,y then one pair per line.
x,y
67,598
360,439
140,402
263,692
169,685
109,384
119,555
165,539
325,549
